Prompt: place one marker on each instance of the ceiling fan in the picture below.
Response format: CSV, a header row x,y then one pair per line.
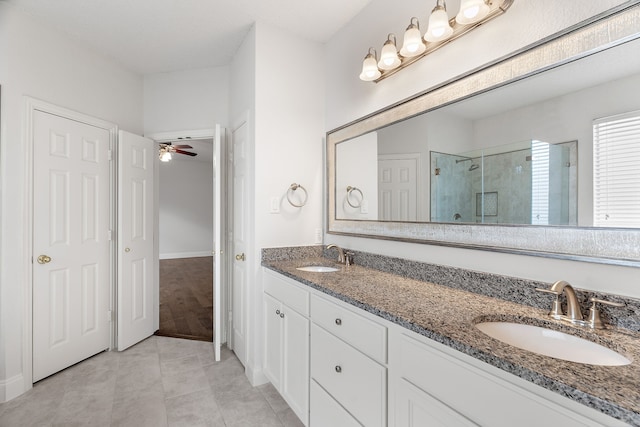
x,y
166,149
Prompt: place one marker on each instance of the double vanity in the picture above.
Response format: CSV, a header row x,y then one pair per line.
x,y
355,345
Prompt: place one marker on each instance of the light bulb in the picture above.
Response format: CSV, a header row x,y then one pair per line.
x,y
389,55
370,69
165,157
412,45
439,28
472,11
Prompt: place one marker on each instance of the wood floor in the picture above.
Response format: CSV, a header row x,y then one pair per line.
x,y
186,298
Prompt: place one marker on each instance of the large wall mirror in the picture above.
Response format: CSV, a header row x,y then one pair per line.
x,y
514,157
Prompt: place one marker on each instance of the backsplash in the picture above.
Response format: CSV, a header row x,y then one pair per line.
x,y
521,291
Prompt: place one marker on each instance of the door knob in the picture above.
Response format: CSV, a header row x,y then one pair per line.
x,y
240,257
44,259
127,249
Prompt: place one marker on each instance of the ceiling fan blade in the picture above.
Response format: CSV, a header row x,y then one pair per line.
x,y
188,153
182,146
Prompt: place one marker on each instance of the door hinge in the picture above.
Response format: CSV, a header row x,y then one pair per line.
x,y
109,154
230,316
110,235
109,316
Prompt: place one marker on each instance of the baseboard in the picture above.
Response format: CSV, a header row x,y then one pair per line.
x,y
256,376
176,255
11,388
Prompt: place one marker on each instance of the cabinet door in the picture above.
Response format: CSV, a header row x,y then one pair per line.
x,y
272,340
295,369
325,411
415,408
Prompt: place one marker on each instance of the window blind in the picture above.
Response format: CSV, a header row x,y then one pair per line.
x,y
616,174
539,183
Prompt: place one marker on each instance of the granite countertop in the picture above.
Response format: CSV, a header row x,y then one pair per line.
x,y
447,315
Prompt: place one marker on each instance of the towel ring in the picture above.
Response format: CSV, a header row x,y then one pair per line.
x,y
292,190
350,189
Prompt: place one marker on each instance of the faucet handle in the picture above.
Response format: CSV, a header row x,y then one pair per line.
x,y
595,321
594,300
348,258
556,308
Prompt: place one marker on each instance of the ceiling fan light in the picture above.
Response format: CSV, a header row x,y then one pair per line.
x,y
370,69
412,44
389,55
438,28
472,11
165,156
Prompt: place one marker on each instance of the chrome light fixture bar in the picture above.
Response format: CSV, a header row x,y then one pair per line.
x,y
441,30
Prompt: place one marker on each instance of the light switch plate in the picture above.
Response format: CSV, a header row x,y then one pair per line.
x,y
275,205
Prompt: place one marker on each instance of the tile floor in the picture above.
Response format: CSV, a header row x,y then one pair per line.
x,y
158,382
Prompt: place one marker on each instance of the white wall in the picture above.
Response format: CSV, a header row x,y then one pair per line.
x,y
186,208
349,98
186,100
42,63
288,129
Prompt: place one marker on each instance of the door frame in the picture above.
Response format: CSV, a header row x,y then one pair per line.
x,y
31,105
224,289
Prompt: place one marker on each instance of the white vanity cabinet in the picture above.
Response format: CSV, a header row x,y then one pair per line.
x,y
352,368
286,349
348,371
435,385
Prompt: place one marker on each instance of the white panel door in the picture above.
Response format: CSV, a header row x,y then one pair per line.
x,y
218,230
241,165
71,218
397,189
136,161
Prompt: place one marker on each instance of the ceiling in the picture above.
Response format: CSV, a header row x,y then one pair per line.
x,y
153,36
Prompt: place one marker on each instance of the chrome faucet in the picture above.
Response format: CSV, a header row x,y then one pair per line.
x,y
574,314
341,258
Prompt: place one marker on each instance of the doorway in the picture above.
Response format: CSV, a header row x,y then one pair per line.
x,y
190,198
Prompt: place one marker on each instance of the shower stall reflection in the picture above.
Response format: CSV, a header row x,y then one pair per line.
x,y
531,182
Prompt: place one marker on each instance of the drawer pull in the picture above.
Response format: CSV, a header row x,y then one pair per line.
x,y
338,322
282,315
277,312
338,368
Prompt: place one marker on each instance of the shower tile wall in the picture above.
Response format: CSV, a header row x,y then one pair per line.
x,y
509,175
455,186
451,189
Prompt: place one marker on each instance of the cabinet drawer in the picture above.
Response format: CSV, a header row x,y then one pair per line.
x,y
477,395
357,382
325,411
362,333
287,292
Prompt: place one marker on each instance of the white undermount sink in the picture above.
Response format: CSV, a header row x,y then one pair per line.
x,y
552,343
317,269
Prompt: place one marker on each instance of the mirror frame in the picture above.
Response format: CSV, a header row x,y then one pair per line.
x,y
617,246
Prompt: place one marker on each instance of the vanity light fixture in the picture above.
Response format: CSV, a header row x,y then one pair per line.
x,y
440,30
370,71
